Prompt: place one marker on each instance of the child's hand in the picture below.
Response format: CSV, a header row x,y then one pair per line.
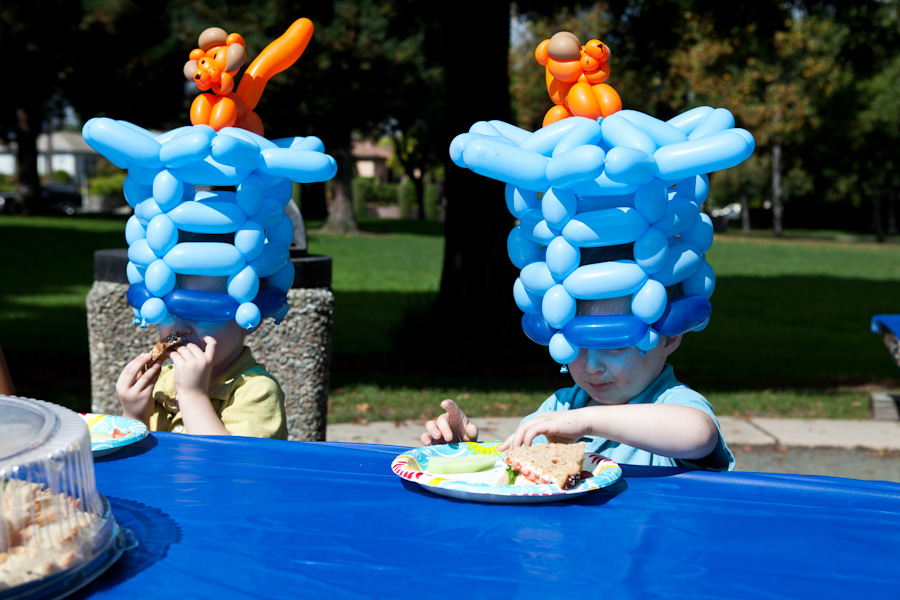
x,y
562,427
452,426
193,368
135,388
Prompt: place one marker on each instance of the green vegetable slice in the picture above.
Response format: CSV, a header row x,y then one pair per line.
x,y
511,474
443,465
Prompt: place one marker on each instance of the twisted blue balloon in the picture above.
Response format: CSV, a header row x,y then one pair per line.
x,y
625,179
163,171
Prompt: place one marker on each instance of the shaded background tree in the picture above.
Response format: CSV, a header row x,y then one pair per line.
x,y
36,41
423,73
475,319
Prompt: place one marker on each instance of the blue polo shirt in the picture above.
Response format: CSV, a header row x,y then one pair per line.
x,y
665,389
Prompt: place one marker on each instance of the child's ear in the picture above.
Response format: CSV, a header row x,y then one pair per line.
x,y
670,344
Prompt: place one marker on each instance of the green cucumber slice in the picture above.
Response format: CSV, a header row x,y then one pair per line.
x,y
443,465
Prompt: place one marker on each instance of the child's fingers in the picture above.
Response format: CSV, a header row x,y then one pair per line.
x,y
189,350
148,377
137,363
210,346
188,353
433,432
471,431
131,372
523,434
530,434
445,426
452,409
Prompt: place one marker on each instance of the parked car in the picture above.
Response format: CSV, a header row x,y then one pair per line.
x,y
64,199
56,199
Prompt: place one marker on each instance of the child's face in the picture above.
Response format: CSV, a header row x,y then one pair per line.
x,y
617,376
229,335
229,338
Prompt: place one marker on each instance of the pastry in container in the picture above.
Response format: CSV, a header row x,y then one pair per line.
x,y
56,531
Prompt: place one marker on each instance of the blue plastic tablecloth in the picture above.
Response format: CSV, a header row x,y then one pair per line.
x,y
238,517
889,322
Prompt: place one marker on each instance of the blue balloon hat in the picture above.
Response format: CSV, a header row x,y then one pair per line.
x,y
174,185
209,198
626,179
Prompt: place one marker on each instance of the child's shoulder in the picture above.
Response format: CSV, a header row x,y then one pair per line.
x,y
671,391
565,399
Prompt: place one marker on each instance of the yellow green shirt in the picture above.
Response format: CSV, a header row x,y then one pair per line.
x,y
246,397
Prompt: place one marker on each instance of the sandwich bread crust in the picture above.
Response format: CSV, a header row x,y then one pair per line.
x,y
559,464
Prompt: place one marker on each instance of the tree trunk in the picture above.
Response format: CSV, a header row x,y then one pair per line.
x,y
340,204
777,207
891,216
745,211
419,186
877,224
28,183
475,311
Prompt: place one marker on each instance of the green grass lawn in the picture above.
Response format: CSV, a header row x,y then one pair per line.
x,y
789,334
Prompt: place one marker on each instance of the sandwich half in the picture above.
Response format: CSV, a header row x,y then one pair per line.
x,y
161,350
559,464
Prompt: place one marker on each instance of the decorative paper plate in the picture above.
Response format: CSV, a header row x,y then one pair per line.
x,y
597,472
112,432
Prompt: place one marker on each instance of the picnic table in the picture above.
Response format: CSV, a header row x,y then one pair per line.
x,y
218,517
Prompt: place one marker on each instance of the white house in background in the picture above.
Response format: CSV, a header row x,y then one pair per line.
x,y
371,160
61,151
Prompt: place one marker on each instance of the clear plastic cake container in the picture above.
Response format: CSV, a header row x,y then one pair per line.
x,y
56,531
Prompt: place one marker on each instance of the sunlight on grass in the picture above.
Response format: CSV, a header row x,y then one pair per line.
x,y
789,334
376,280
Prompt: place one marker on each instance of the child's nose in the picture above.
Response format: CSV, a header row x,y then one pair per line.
x,y
594,363
182,327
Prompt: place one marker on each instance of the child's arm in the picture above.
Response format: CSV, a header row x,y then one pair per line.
x,y
193,367
664,429
452,426
135,388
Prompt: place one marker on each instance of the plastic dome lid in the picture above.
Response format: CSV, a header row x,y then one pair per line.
x,y
25,426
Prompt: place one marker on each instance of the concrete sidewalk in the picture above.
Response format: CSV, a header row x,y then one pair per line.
x,y
868,449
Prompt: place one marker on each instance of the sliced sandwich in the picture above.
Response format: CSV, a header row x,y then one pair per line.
x,y
559,464
161,350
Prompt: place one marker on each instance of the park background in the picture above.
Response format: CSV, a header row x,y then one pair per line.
x,y
805,254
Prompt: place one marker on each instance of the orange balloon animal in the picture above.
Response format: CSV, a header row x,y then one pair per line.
x,y
213,65
575,78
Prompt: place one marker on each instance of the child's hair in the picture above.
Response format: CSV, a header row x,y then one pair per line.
x,y
620,305
208,283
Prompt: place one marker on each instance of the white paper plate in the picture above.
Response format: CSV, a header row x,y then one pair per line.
x,y
110,433
597,472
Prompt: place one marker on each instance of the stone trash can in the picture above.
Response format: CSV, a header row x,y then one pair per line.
x,y
297,351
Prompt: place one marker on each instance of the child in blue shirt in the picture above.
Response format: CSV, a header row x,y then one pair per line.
x,y
626,405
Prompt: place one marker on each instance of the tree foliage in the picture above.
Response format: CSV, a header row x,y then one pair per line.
x,y
814,81
36,71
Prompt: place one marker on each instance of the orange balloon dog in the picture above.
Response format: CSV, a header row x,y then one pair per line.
x,y
575,78
219,56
